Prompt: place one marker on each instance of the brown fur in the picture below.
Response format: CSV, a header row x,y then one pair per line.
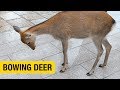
x,y
74,24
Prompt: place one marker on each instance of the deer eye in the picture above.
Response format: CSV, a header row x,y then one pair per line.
x,y
28,43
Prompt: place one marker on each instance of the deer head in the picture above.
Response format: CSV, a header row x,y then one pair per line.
x,y
26,37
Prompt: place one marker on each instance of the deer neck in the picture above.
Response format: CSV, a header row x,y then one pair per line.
x,y
40,29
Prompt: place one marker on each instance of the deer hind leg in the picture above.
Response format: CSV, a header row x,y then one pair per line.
x,y
65,47
108,49
98,43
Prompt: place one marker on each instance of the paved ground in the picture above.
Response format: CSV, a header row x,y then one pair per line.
x,y
81,53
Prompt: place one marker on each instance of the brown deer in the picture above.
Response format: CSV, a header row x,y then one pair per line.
x,y
74,24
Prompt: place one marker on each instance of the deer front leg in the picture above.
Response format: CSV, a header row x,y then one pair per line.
x,y
65,47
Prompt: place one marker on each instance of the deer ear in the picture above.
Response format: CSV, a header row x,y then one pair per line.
x,y
17,29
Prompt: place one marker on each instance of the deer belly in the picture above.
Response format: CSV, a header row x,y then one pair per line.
x,y
80,34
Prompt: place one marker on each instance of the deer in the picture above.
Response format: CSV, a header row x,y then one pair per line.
x,y
74,24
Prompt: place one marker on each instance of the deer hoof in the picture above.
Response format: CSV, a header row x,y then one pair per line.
x,y
102,65
62,71
64,68
63,64
90,73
